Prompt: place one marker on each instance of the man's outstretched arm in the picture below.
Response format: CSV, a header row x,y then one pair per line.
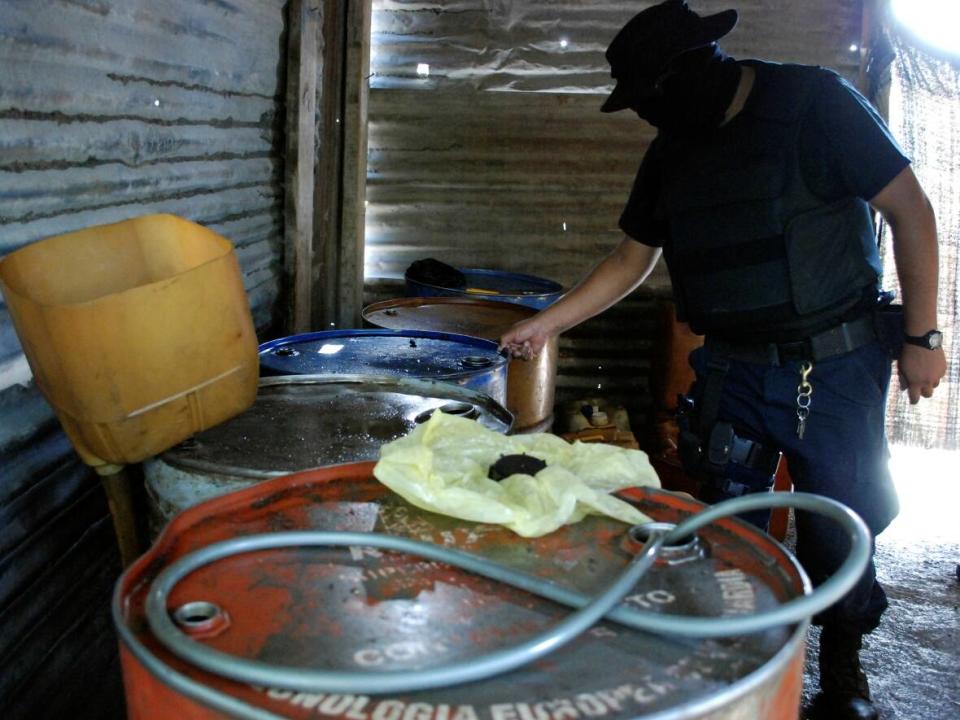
x,y
906,208
627,265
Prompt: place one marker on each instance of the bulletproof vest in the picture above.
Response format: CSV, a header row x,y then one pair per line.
x,y
750,247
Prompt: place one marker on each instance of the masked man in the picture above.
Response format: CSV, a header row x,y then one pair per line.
x,y
758,191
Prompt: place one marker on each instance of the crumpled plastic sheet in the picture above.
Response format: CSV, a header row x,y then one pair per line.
x,y
442,466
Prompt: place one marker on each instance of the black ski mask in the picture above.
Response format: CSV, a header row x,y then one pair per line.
x,y
692,93
669,70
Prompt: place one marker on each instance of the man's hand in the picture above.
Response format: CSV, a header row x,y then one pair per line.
x,y
905,206
920,371
525,339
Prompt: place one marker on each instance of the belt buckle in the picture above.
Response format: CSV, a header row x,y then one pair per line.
x,y
797,350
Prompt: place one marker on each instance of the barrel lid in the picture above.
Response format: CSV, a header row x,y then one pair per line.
x,y
305,421
356,608
500,282
481,318
419,354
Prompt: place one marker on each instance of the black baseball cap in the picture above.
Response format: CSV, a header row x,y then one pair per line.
x,y
651,39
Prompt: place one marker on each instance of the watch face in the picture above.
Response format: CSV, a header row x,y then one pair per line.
x,y
935,339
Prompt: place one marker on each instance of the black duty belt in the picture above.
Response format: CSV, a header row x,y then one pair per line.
x,y
835,341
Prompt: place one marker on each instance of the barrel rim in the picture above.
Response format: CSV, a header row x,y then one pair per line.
x,y
372,332
549,287
450,390
500,363
421,300
224,702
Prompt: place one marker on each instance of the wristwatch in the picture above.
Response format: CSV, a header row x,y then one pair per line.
x,y
930,340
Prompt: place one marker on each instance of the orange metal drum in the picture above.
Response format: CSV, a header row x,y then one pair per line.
x,y
356,608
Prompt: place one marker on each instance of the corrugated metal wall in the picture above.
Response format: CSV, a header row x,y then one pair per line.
x,y
111,109
495,155
557,45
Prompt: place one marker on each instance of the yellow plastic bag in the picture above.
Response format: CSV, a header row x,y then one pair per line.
x,y
442,466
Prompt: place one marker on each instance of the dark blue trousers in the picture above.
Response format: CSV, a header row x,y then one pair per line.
x,y
843,455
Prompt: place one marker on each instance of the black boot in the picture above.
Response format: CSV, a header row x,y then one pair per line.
x,y
845,694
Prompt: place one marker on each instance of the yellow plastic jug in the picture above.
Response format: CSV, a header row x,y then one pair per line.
x,y
138,333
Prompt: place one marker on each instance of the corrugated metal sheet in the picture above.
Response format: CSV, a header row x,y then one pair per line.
x,y
496,154
558,45
111,109
523,182
114,109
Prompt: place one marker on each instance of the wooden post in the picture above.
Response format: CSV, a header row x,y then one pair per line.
x,y
354,162
303,54
329,179
342,164
117,485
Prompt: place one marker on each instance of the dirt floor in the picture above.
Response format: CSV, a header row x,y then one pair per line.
x,y
913,658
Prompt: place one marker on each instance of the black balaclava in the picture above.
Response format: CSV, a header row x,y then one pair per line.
x,y
693,93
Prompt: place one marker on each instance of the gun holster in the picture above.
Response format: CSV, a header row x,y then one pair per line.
x,y
704,460
689,447
888,324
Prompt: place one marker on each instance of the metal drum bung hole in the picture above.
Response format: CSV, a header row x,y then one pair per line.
x,y
687,549
201,618
476,361
286,352
460,409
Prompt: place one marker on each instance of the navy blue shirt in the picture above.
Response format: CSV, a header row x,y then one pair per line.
x,y
846,151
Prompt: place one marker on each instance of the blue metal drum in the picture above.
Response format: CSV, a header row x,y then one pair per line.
x,y
529,290
470,362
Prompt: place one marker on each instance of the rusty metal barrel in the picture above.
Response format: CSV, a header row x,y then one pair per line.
x,y
299,422
357,608
530,290
531,384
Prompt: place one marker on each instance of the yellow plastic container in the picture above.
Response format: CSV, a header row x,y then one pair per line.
x,y
139,333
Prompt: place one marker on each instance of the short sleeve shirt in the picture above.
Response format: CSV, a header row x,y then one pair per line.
x,y
846,150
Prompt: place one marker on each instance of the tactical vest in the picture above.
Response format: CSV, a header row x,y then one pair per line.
x,y
751,249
